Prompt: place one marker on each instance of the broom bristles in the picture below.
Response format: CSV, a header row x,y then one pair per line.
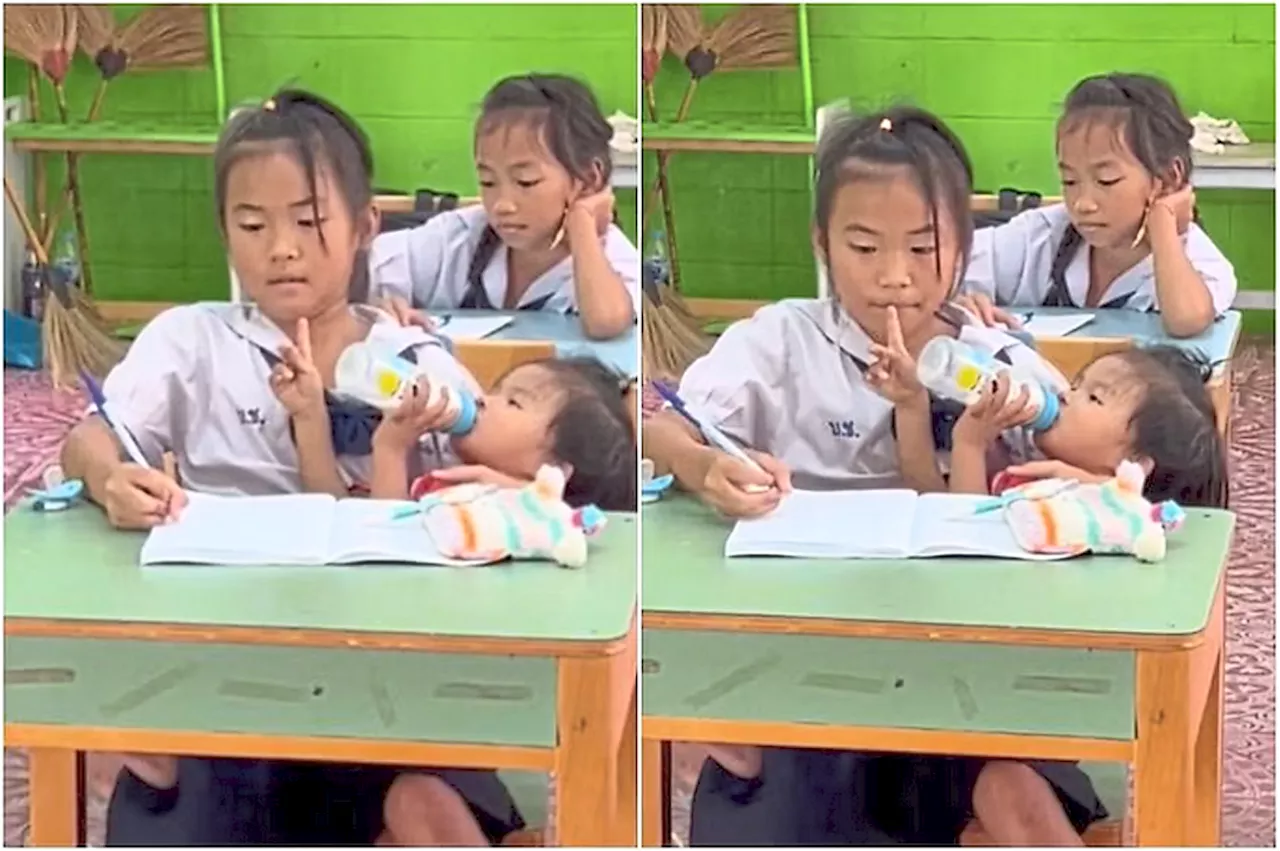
x,y
97,28
76,339
167,37
671,336
755,37
684,28
31,30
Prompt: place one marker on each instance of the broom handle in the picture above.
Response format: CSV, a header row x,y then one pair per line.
x,y
662,188
64,201
37,159
77,206
24,221
219,73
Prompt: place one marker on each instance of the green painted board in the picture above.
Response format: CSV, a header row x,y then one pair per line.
x,y
295,691
73,566
835,681
685,571
116,131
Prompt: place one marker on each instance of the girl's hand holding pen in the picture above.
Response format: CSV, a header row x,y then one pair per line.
x,y
738,490
137,497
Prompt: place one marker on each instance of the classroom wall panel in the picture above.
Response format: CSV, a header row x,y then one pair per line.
x,y
413,75
998,75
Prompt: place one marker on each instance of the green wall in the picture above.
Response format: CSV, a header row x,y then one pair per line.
x,y
997,74
413,75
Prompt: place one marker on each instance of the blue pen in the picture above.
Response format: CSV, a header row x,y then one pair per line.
x,y
713,435
122,434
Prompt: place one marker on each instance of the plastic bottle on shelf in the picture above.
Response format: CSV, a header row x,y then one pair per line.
x,y
66,263
958,371
384,380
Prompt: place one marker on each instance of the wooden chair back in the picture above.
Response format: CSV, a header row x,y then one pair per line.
x,y
1072,354
489,360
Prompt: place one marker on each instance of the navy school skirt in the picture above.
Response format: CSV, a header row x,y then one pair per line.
x,y
221,802
835,798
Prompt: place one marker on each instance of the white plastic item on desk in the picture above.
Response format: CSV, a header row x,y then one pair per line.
x,y
957,371
384,380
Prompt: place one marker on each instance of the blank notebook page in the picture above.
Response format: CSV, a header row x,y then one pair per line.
x,y
830,524
946,525
292,529
367,530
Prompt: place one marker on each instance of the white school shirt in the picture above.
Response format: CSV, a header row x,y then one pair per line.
x,y
790,381
428,266
195,383
1011,265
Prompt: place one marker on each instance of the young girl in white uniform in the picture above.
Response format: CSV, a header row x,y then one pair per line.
x,y
1126,235
240,395
810,386
544,237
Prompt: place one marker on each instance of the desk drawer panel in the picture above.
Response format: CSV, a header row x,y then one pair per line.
x,y
888,683
303,691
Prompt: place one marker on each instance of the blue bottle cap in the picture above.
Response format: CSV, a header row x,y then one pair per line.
x,y
1049,413
467,412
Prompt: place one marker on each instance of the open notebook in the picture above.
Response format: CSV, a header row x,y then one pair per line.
x,y
457,327
300,529
884,524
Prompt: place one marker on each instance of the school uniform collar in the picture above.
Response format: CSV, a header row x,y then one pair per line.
x,y
545,286
248,321
1129,282
831,321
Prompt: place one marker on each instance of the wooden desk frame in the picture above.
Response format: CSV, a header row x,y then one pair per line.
x,y
1175,752
595,721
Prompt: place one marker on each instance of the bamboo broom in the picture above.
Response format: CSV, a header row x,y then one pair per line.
x,y
73,336
46,35
157,37
757,37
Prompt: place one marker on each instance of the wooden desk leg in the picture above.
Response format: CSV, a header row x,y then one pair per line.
x,y
1206,815
627,821
56,788
654,777
1163,764
593,697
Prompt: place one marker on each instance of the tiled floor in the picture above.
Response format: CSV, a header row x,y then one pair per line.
x,y
36,420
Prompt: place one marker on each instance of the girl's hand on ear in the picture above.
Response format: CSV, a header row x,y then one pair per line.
x,y
893,375
596,208
995,411
1178,205
401,428
295,380
1048,469
405,313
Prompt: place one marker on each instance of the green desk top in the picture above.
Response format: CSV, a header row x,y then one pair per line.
x,y
685,571
73,566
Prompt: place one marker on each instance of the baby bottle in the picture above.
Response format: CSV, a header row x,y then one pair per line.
x,y
383,379
958,371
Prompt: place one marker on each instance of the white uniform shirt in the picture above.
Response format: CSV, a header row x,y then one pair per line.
x,y
195,383
1011,264
791,381
428,266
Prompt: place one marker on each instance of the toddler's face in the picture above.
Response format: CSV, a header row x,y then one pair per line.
x,y
1092,431
882,252
524,189
273,236
512,429
1105,188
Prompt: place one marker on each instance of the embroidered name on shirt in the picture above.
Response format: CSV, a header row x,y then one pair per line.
x,y
844,428
251,417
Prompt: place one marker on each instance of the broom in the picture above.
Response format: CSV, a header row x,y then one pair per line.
x,y
157,37
46,36
757,37
73,334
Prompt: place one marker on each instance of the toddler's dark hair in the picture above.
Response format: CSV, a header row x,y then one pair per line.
x,y
1175,425
592,432
1144,112
319,135
565,113
857,147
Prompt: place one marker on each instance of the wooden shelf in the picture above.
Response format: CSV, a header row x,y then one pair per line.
x,y
114,137
730,137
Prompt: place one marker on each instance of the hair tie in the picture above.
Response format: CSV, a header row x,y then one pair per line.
x,y
269,104
886,124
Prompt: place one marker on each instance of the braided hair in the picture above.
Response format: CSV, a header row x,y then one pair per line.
x,y
1155,130
568,117
318,134
854,147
